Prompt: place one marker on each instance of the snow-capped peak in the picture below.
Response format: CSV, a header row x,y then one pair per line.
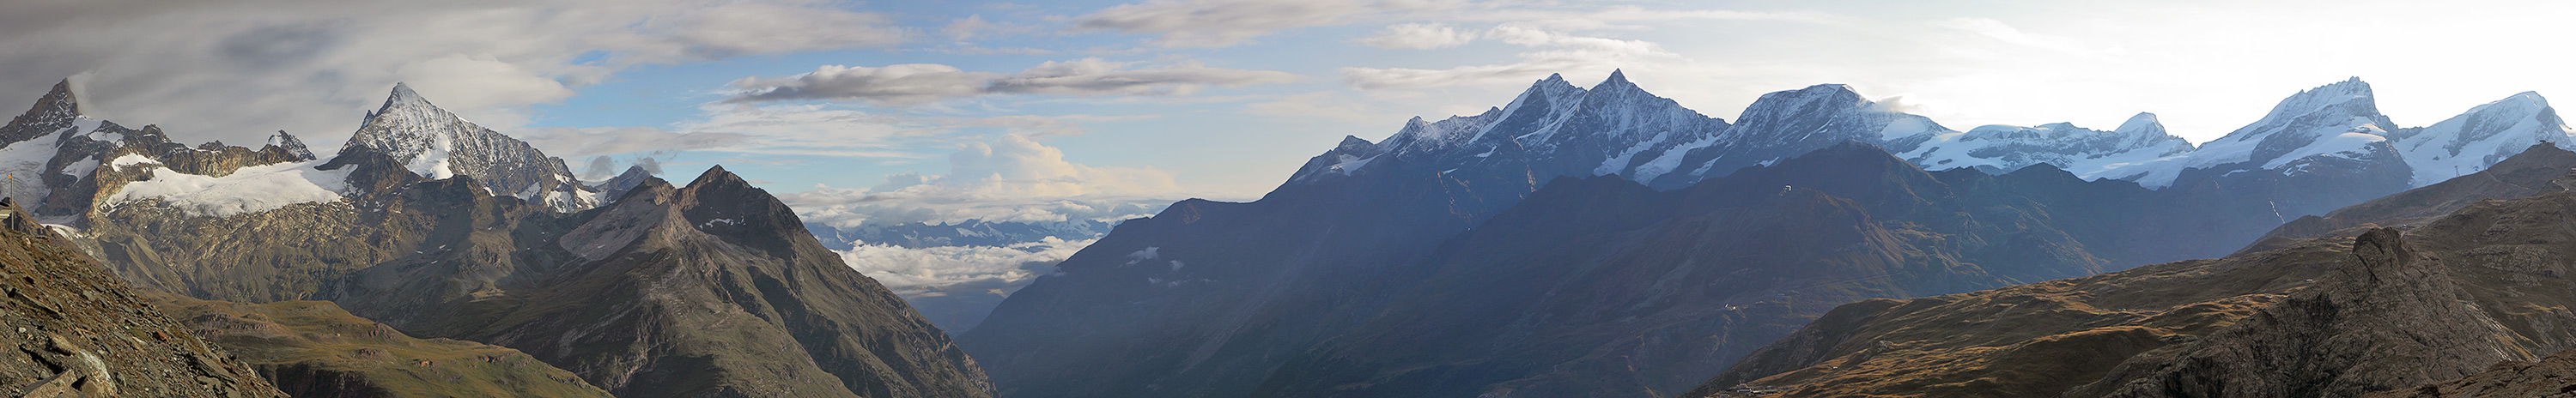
x,y
437,144
404,97
292,145
2484,135
2143,124
1618,80
2348,97
2339,120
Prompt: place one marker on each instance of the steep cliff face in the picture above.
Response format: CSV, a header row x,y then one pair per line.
x,y
79,332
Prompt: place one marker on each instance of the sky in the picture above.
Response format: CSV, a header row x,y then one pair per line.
x,y
947,110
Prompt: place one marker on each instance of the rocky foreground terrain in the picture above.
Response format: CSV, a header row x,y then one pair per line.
x,y
77,331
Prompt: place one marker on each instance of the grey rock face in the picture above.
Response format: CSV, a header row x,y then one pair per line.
x,y
52,113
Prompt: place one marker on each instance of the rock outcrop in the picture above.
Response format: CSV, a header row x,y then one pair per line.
x,y
2388,318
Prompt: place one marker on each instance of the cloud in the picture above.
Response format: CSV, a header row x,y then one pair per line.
x,y
576,143
1016,166
975,27
236,70
914,84
1419,36
820,129
1326,105
1552,52
1010,178
1217,23
956,286
913,272
1999,31
809,129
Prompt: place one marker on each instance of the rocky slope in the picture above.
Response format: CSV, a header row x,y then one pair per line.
x,y
2552,377
2387,318
2294,317
79,332
314,349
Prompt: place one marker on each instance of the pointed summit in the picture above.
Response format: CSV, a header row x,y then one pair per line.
x,y
2142,124
61,99
437,144
404,98
292,145
58,110
1617,78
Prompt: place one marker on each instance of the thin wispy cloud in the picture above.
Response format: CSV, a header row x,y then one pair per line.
x,y
914,84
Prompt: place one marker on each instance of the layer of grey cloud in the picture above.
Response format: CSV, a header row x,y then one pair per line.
x,y
1419,36
1550,52
912,84
236,70
1213,23
576,143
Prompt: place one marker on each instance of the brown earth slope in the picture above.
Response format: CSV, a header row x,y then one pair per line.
x,y
314,349
79,332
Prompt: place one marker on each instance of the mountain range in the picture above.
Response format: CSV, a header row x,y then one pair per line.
x,y
1599,241
1608,242
436,227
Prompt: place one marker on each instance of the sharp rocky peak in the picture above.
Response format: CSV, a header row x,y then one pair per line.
x,y
58,109
437,144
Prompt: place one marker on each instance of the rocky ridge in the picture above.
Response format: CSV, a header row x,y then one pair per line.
x,y
405,227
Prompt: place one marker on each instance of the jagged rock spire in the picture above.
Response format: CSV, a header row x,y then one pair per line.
x,y
56,111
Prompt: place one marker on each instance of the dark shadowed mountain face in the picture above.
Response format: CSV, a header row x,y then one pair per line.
x,y
1346,279
1605,288
442,229
2326,316
1589,287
